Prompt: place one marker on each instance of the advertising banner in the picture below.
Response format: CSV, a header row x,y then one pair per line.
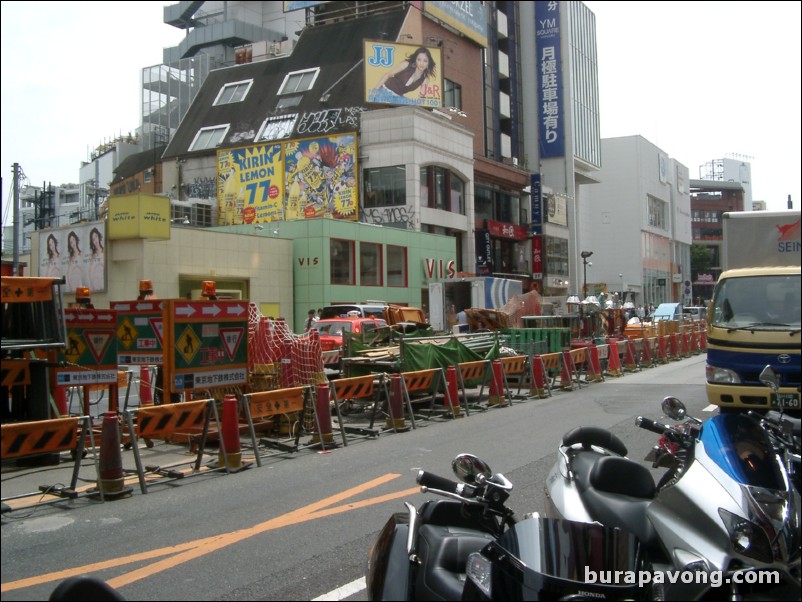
x,y
250,187
403,74
78,253
321,178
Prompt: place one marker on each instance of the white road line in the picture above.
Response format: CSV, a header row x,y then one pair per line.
x,y
711,408
341,593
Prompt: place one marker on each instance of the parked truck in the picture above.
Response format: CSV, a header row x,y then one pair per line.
x,y
448,298
754,316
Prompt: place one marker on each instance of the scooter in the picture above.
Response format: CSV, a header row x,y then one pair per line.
x,y
470,546
723,521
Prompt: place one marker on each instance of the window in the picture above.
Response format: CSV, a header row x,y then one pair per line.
x,y
289,102
370,264
396,266
233,92
442,189
299,81
276,128
210,137
657,213
341,258
452,94
385,186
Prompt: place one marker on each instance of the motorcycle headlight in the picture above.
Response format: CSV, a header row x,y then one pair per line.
x,y
746,537
478,571
721,376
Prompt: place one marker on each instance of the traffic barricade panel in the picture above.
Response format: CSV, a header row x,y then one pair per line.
x,y
358,391
517,367
282,403
424,382
469,373
26,439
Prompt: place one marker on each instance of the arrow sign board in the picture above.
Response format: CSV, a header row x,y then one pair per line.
x,y
139,331
206,344
91,350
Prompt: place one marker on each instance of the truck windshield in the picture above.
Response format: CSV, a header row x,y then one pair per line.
x,y
757,302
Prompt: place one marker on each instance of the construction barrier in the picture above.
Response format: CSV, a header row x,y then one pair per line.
x,y
165,422
614,357
358,390
264,406
25,439
471,372
431,381
517,367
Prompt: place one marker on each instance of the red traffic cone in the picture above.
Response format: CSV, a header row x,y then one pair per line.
x,y
229,431
145,394
498,395
60,399
323,409
110,464
452,387
396,419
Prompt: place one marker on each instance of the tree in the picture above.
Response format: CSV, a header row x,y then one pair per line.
x,y
701,261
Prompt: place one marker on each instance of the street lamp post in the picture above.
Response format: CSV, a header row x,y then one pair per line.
x,y
621,276
585,255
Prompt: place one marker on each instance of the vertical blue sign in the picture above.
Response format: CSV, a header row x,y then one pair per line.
x,y
549,79
536,198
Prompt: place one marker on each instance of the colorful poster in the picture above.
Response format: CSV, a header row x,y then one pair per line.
x,y
320,178
250,186
403,74
78,253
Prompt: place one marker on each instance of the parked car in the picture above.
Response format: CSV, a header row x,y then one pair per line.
x,y
331,336
355,310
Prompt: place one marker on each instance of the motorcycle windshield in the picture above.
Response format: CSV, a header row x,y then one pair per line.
x,y
564,548
741,448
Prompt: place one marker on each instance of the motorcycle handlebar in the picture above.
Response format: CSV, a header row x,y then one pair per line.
x,y
651,425
433,481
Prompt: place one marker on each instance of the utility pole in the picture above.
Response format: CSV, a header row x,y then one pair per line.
x,y
16,228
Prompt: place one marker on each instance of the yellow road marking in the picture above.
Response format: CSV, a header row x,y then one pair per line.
x,y
195,549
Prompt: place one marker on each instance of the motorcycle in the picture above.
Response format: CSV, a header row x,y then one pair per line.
x,y
471,546
724,515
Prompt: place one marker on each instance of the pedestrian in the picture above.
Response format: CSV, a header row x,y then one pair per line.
x,y
310,320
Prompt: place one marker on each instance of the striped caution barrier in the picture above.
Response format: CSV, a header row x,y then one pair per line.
x,y
358,390
515,366
430,381
472,372
23,439
171,422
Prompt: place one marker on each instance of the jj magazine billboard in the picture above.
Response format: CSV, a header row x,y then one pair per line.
x,y
403,74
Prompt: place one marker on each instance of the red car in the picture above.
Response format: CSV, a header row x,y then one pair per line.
x,y
331,332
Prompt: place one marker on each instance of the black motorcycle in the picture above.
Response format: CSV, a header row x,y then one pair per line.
x,y
471,547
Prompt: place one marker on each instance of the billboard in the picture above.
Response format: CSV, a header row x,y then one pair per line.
x,y
78,253
403,74
320,178
469,18
250,184
549,79
139,216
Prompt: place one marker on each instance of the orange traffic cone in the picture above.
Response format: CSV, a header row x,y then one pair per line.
x,y
229,431
613,361
323,435
539,377
498,396
396,419
145,394
110,463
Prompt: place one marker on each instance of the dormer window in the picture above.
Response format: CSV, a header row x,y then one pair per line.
x,y
233,92
210,137
299,81
277,128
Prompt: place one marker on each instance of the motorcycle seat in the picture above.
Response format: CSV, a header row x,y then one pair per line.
x,y
589,436
443,551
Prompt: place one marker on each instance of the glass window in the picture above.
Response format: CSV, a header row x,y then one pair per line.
x,y
370,264
233,92
210,137
299,81
385,186
396,266
442,189
341,258
452,94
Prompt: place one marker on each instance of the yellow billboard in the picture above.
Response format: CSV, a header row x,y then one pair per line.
x,y
250,184
321,177
139,216
403,74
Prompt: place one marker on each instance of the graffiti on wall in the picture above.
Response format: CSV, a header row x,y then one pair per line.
x,y
329,120
386,216
200,188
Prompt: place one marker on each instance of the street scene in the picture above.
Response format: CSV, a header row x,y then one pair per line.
x,y
401,301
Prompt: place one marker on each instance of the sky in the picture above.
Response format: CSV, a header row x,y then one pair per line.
x,y
700,80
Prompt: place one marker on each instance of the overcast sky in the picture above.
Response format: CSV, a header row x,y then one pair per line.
x,y
700,80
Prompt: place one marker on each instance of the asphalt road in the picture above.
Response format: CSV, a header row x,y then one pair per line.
x,y
300,526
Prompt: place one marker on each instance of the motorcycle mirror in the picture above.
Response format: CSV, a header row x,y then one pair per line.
x,y
770,378
468,467
674,408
